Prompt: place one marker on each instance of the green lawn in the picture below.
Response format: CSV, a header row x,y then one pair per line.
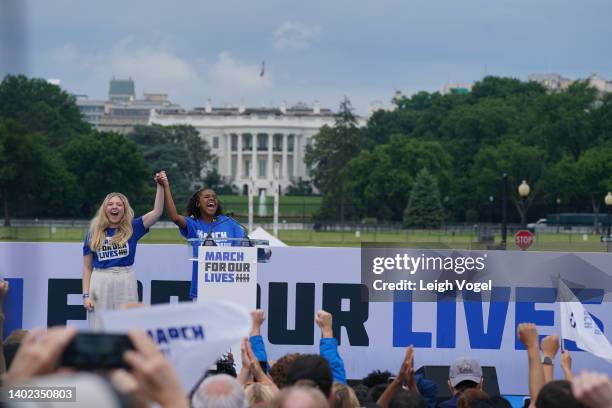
x,y
414,238
291,208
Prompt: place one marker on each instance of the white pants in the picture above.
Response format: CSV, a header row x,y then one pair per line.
x,y
110,288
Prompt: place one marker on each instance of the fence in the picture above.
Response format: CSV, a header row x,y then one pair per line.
x,y
467,236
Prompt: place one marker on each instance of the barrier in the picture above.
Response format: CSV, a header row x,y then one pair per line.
x,y
46,286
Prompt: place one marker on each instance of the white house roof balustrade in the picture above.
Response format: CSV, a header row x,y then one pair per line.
x,y
255,144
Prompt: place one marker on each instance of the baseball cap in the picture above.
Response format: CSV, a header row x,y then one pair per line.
x,y
464,369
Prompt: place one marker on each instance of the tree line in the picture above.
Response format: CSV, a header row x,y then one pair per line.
x,y
433,158
440,158
54,164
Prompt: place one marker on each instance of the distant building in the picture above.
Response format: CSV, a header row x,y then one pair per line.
x,y
262,144
122,111
556,82
552,82
121,90
92,109
599,83
458,88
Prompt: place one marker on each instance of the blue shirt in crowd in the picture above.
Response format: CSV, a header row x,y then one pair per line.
x,y
222,227
111,255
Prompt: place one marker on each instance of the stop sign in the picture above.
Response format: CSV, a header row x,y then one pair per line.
x,y
523,239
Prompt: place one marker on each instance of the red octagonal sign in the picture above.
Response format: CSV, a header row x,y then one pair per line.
x,y
523,239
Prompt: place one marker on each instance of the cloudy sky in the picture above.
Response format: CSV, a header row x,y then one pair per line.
x,y
313,50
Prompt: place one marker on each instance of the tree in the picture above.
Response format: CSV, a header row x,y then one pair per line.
x,y
562,123
581,184
595,172
33,179
383,124
300,187
180,151
213,180
331,150
497,87
41,107
520,162
469,127
107,162
378,182
424,209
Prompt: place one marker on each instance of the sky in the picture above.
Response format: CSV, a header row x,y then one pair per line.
x,y
314,50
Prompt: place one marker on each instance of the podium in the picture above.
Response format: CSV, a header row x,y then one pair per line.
x,y
227,268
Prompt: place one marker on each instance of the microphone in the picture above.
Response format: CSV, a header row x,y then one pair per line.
x,y
246,239
209,241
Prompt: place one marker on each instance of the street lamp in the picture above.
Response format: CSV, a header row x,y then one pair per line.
x,y
557,202
523,191
608,201
504,210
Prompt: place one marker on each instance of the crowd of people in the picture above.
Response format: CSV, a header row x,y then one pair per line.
x,y
293,381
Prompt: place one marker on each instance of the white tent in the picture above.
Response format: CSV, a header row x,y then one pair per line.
x,y
261,233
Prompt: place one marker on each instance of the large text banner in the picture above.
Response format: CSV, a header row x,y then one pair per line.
x,y
45,281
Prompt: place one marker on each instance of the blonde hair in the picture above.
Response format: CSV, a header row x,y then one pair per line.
x,y
99,224
257,393
311,397
343,396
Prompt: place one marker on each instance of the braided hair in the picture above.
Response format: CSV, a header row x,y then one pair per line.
x,y
193,206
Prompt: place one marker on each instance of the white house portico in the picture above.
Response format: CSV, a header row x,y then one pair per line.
x,y
258,144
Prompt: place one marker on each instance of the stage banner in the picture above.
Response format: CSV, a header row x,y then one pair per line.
x,y
45,281
185,333
228,273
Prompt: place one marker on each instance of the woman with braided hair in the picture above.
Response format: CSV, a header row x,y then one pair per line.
x,y
204,220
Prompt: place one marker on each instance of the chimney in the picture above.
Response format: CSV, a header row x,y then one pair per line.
x,y
316,108
208,108
283,107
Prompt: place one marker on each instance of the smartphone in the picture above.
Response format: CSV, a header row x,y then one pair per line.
x,y
92,351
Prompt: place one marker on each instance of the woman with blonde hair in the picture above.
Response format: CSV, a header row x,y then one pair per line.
x,y
108,253
343,396
259,395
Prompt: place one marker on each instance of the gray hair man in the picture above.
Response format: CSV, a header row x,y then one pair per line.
x,y
219,391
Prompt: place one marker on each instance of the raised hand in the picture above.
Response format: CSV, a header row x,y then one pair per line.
x,y
566,364
407,370
550,346
257,319
4,287
254,367
39,353
325,320
161,178
528,335
153,371
593,390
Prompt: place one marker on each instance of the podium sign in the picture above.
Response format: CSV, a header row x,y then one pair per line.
x,y
228,273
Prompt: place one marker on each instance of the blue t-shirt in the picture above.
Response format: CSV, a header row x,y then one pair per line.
x,y
111,255
223,227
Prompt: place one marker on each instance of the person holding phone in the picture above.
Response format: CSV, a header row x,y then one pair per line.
x,y
204,220
108,253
